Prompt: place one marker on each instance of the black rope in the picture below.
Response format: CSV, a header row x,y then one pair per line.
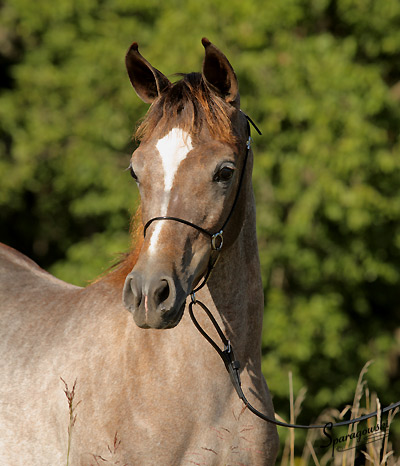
x,y
233,366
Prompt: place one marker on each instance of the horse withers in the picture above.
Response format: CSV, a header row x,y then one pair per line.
x,y
84,381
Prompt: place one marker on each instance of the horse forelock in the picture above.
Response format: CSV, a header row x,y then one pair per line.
x,y
189,104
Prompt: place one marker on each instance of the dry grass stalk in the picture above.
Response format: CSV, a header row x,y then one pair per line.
x,y
312,451
292,418
378,448
355,412
113,455
329,415
70,394
295,409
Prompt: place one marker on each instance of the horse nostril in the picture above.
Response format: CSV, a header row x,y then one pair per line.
x,y
147,298
162,293
132,295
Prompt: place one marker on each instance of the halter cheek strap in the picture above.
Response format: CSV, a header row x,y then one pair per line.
x,y
217,239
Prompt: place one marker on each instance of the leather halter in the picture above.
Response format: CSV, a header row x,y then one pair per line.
x,y
232,365
217,238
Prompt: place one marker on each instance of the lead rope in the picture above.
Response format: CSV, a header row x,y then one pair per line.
x,y
227,355
233,367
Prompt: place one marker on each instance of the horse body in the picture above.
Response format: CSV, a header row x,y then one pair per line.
x,y
143,396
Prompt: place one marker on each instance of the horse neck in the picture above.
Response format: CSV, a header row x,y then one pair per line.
x,y
235,288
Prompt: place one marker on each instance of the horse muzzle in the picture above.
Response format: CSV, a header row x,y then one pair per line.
x,y
155,301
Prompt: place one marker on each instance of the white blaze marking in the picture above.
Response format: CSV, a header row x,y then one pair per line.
x,y
173,149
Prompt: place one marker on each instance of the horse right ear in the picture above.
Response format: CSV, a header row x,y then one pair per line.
x,y
147,81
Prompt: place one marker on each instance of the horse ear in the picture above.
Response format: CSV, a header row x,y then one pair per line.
x,y
147,81
219,74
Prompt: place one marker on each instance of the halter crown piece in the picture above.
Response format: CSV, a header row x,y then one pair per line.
x,y
227,355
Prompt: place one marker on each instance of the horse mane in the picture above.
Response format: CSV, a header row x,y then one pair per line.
x,y
189,103
117,273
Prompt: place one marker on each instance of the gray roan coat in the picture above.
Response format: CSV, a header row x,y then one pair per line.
x,y
116,373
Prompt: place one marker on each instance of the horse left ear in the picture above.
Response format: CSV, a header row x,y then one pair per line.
x,y
147,81
219,74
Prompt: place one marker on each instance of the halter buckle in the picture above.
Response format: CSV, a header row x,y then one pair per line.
x,y
248,143
217,240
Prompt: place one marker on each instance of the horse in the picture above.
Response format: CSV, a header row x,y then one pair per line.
x,y
116,372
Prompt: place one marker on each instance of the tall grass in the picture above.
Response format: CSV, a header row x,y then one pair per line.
x,y
374,449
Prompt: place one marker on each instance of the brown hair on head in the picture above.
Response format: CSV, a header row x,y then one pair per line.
x,y
190,103
117,273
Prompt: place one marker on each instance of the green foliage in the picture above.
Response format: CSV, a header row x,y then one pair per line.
x,y
320,77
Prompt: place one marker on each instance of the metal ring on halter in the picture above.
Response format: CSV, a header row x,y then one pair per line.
x,y
214,237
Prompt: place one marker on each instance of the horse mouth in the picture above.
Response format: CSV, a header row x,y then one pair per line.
x,y
161,320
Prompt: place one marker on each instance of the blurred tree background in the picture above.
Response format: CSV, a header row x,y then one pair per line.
x,y
322,80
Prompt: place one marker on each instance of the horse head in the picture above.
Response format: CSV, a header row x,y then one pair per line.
x,y
189,167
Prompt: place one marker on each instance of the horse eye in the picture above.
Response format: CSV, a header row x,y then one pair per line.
x,y
132,172
224,174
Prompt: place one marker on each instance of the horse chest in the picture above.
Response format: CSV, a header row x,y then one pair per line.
x,y
182,439
202,422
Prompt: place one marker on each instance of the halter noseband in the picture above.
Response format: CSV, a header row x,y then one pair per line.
x,y
217,239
